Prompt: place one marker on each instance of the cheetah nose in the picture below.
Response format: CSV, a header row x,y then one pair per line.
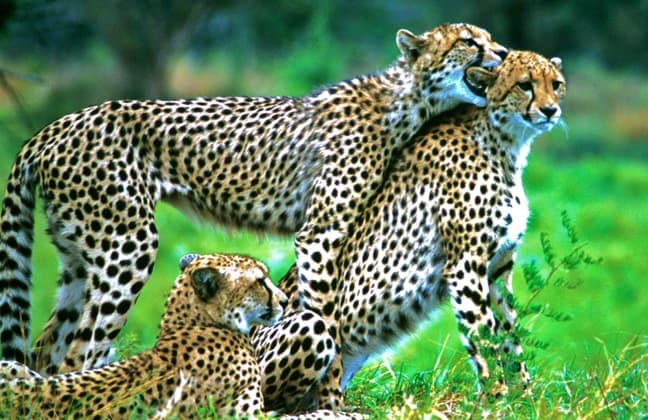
x,y
548,111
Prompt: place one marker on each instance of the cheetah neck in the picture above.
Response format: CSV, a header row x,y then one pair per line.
x,y
394,93
508,148
407,109
411,101
513,136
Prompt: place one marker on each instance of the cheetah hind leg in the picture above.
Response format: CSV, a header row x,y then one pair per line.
x,y
106,304
101,281
477,323
52,343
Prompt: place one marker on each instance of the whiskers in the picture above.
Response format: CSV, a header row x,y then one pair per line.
x,y
528,131
563,126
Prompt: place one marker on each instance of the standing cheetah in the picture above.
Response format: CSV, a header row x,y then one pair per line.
x,y
445,225
203,350
287,165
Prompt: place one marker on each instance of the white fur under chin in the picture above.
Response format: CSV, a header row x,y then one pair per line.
x,y
247,319
479,101
524,133
243,327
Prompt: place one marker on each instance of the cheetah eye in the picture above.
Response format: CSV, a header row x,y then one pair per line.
x,y
525,86
470,42
556,84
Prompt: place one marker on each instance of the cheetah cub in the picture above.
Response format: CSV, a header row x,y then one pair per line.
x,y
202,351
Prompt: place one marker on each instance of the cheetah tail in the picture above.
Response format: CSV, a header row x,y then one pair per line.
x,y
16,239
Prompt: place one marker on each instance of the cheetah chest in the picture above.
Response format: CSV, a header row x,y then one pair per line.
x,y
514,222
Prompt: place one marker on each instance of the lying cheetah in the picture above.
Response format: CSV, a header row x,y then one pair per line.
x,y
445,225
202,355
287,165
202,351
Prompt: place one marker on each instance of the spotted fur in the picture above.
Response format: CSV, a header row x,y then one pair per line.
x,y
203,356
445,226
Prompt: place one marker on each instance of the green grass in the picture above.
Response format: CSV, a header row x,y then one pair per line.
x,y
614,389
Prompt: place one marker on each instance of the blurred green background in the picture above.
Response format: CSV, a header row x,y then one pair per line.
x,y
58,56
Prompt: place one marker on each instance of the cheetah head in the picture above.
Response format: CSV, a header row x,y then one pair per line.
x,y
524,93
233,291
439,58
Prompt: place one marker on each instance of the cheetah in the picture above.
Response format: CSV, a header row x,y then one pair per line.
x,y
445,225
202,355
303,166
203,350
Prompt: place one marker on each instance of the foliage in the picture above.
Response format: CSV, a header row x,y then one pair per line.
x,y
537,282
610,30
141,38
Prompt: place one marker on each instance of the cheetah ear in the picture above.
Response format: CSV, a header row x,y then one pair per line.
x,y
557,62
206,282
186,260
410,45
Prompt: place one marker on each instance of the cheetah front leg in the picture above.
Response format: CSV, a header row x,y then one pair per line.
x,y
347,181
469,293
501,299
12,369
